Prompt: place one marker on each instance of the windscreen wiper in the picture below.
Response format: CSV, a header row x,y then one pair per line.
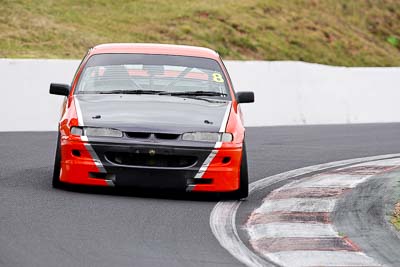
x,y
133,92
194,93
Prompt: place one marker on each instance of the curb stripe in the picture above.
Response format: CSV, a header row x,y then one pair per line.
x,y
223,218
322,258
290,236
304,217
331,180
363,170
301,243
306,192
289,229
298,205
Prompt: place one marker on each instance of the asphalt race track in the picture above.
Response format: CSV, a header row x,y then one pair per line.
x,y
41,226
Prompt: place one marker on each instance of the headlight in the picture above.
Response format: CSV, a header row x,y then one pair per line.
x,y
95,132
208,137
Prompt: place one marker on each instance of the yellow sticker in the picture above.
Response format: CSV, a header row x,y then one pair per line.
x,y
217,77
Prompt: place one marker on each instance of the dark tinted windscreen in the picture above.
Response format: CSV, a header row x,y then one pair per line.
x,y
176,74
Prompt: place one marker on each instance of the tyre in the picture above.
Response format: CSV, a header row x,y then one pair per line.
x,y
57,165
243,190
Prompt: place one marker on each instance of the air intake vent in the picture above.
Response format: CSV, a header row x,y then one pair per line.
x,y
166,136
144,135
139,135
148,160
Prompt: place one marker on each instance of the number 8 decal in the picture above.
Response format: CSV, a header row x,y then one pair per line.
x,y
217,77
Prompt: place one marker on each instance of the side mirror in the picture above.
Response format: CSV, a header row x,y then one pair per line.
x,y
245,97
59,89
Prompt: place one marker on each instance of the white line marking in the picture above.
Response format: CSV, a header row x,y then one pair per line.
x,y
110,183
274,230
298,204
206,163
387,162
95,158
225,119
331,180
89,148
214,152
322,258
78,112
223,215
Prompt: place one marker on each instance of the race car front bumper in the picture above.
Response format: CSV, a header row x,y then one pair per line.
x,y
150,166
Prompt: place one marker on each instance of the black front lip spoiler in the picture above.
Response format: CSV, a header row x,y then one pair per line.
x,y
149,176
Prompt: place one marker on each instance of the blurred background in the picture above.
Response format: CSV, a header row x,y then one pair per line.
x,y
333,32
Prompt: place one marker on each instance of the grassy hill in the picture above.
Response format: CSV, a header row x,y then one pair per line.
x,y
336,32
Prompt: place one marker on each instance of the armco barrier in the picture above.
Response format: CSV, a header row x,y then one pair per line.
x,y
287,93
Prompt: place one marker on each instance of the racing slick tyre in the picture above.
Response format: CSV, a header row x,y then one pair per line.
x,y
243,190
57,166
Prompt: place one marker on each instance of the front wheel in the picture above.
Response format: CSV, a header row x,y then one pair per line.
x,y
243,190
57,165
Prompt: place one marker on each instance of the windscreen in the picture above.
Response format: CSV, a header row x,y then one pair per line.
x,y
142,73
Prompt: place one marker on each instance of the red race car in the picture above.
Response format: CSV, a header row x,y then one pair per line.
x,y
154,116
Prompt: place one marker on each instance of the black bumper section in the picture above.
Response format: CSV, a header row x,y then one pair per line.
x,y
147,178
151,174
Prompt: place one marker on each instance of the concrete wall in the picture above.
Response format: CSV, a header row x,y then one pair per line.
x,y
26,104
287,93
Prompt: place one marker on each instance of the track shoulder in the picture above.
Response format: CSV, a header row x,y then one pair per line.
x,y
364,217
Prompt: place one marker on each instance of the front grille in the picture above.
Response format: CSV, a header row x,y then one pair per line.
x,y
147,160
139,135
166,136
146,135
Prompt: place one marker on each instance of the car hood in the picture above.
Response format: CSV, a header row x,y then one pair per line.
x,y
155,113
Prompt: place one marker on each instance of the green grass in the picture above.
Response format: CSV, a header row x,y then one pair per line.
x,y
396,222
395,218
336,32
